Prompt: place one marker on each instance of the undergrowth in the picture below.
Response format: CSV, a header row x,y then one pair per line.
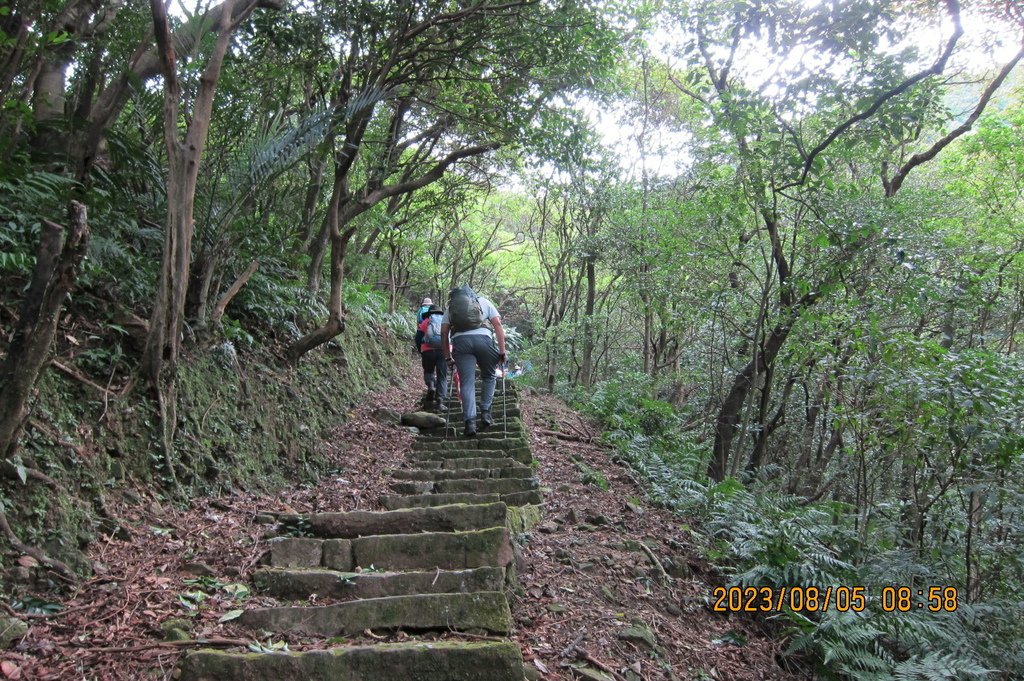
x,y
760,537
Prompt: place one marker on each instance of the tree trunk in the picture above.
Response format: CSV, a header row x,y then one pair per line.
x,y
761,439
317,250
160,356
552,364
55,273
197,297
727,422
341,214
316,182
648,339
587,370
335,323
331,228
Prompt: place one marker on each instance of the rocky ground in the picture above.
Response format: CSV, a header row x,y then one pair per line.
x,y
609,586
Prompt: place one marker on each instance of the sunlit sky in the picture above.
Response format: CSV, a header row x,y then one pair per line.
x,y
983,48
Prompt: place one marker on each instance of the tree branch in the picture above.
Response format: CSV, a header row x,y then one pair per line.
x,y
934,70
892,186
222,304
376,196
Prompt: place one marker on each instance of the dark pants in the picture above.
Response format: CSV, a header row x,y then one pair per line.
x,y
469,352
435,372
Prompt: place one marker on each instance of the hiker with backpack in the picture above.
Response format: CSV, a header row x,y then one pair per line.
x,y
466,341
435,368
421,314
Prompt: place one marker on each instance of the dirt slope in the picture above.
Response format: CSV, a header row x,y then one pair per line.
x,y
608,584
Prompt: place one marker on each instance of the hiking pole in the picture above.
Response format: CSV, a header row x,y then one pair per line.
x,y
504,401
448,397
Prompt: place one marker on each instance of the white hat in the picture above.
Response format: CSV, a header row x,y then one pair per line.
x,y
427,301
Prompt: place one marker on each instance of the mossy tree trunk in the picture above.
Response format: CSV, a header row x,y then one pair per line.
x,y
163,344
55,273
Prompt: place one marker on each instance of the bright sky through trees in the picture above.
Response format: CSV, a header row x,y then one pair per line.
x,y
986,45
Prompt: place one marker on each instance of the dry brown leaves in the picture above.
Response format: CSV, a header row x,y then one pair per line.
x,y
587,579
584,579
109,628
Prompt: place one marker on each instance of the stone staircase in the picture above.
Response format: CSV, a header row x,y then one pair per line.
x,y
438,559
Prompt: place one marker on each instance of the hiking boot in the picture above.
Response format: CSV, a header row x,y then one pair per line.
x,y
431,395
486,420
470,430
441,406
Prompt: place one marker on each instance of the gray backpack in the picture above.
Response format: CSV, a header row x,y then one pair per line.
x,y
464,311
433,335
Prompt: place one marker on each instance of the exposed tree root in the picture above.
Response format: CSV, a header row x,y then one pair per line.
x,y
12,472
564,436
79,376
665,579
57,566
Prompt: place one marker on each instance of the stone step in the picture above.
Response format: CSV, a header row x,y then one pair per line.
x,y
455,417
435,474
440,661
498,411
524,455
531,497
365,523
466,451
487,439
478,388
498,407
396,501
299,584
454,433
457,425
426,550
310,552
497,404
419,500
475,462
470,485
430,550
487,610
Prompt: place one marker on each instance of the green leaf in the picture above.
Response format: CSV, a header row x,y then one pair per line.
x,y
230,615
237,590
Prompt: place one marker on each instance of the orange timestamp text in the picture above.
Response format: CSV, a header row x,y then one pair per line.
x,y
841,598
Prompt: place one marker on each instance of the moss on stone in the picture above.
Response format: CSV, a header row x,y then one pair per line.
x,y
481,610
437,661
521,519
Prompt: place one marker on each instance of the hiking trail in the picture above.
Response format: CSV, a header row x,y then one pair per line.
x,y
440,558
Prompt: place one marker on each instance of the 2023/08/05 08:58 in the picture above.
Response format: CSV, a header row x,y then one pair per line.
x,y
842,598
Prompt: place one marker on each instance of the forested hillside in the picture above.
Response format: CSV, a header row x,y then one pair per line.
x,y
775,249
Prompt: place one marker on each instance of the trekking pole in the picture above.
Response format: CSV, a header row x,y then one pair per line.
x,y
448,397
504,402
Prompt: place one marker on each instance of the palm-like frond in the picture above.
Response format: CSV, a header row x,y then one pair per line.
x,y
278,148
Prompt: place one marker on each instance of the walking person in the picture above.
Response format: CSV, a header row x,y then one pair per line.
x,y
421,313
435,367
424,309
467,341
